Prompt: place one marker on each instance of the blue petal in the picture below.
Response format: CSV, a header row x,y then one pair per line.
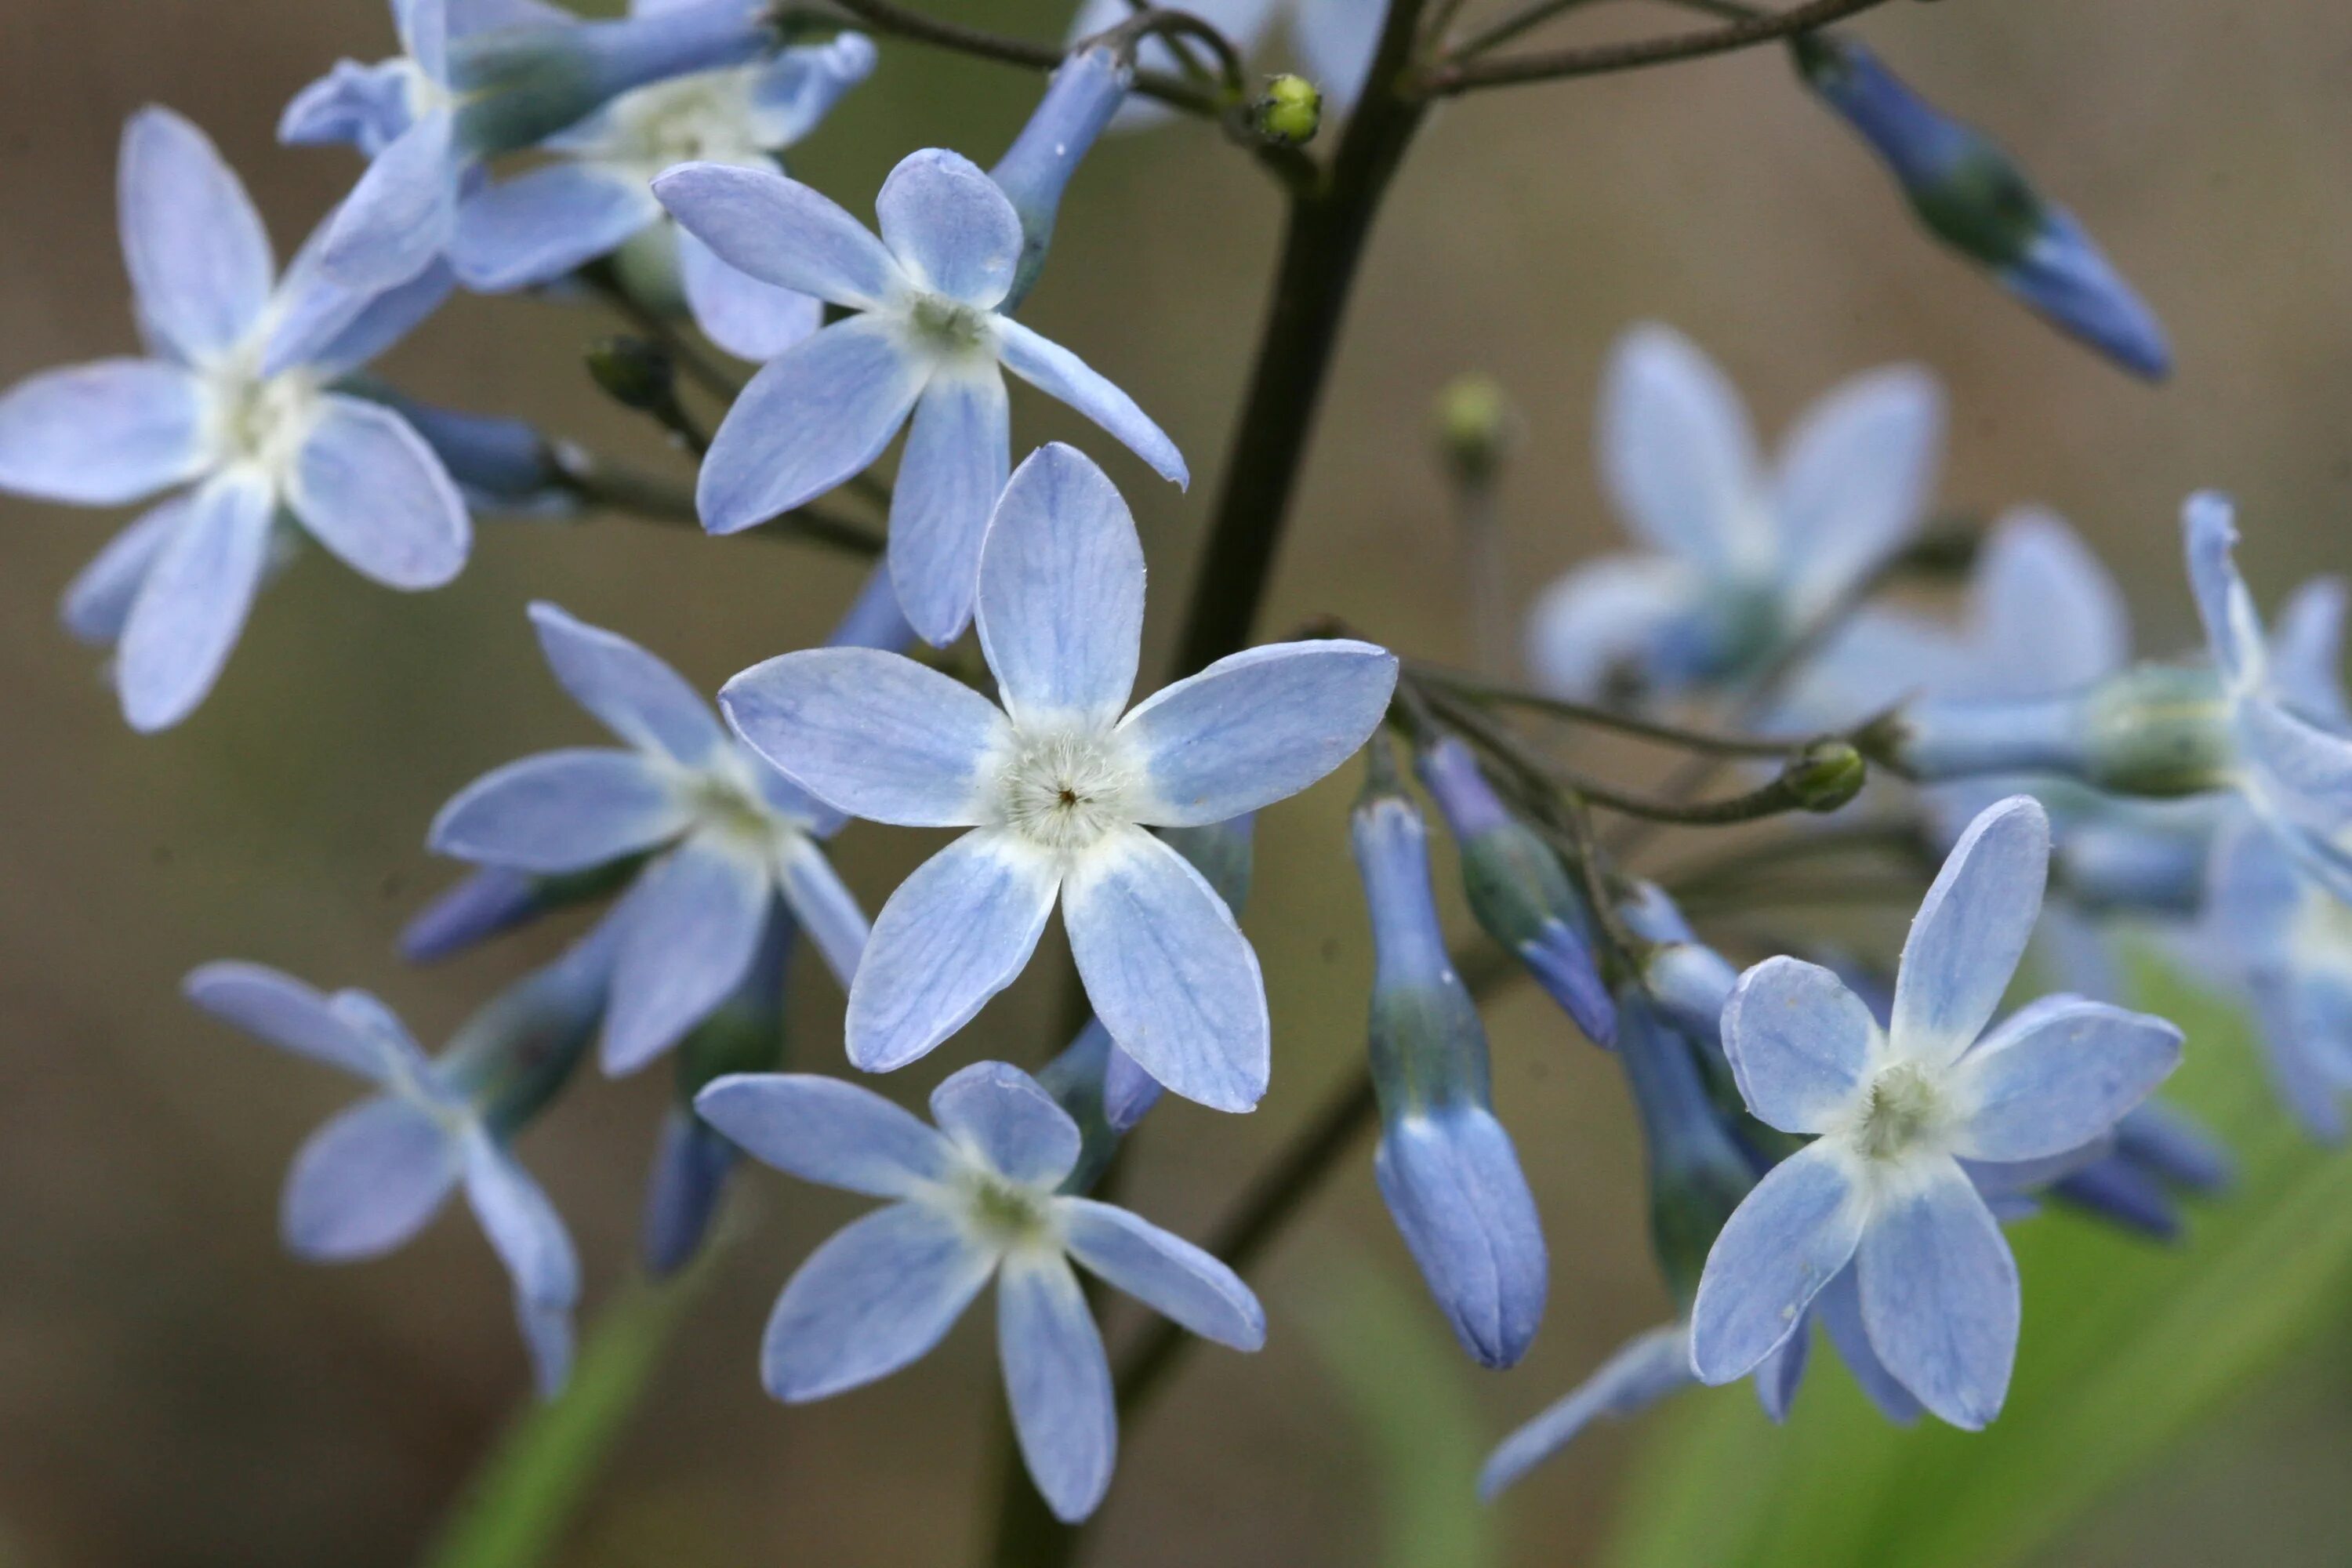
x,y
1782,1245
362,328
1678,457
871,733
749,319
1779,1374
472,909
400,215
1856,480
289,1015
2176,1146
1839,1307
424,30
367,1180
1337,40
370,489
1642,1371
199,259
1604,617
2306,652
691,927
529,1236
823,906
1058,1381
949,476
952,231
545,223
193,603
1800,1043
781,232
1129,1092
2232,628
363,106
98,600
1452,1183
799,88
562,811
2049,616
2059,1074
1168,973
1257,726
1165,1272
690,1168
826,1130
1005,1119
879,1293
637,696
2063,276
1939,1296
819,413
1061,594
102,433
1056,371
955,933
1970,931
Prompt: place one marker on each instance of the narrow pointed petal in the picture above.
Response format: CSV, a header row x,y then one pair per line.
x,y
400,215
1612,615
636,695
1779,1374
1257,727
2307,650
102,434
871,733
2058,1075
1800,1043
1129,1092
1058,1381
544,223
562,811
827,1131
1677,454
781,232
823,906
367,1180
955,933
529,1236
819,413
368,488
2050,617
193,603
1839,1306
1939,1297
1165,1272
2232,628
1452,1183
799,88
958,450
749,319
1856,480
953,232
353,339
1056,371
289,1014
98,600
1970,931
879,1293
1006,1119
1061,591
1784,1242
692,926
1643,1372
1168,973
199,259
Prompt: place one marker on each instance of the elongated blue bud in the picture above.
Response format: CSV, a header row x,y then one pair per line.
x,y
2116,1191
1077,1079
493,900
514,1056
1698,1170
2156,731
1687,981
1084,92
1445,1167
2175,1148
500,464
874,618
520,85
1973,196
1517,889
746,1034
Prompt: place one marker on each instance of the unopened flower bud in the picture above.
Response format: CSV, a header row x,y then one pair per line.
x,y
513,1057
1085,92
2157,730
1476,428
1825,776
635,373
1697,1170
1290,112
496,900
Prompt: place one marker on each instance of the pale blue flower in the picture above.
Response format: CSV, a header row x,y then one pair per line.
x,y
973,1200
1740,560
928,338
1892,1111
1058,791
233,408
475,79
376,1175
726,832
2284,941
1334,39
1445,1166
597,198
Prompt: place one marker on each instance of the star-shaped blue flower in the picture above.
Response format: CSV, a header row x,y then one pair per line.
x,y
234,408
975,1199
727,834
1058,791
927,339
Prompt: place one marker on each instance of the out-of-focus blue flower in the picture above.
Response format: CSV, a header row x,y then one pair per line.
x,y
1517,889
974,1200
500,464
2284,941
928,338
377,1174
1972,196
1058,790
1336,41
234,410
1740,560
726,832
1445,1166
475,79
598,198
1892,1111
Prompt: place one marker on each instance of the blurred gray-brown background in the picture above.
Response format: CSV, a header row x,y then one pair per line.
x,y
174,1391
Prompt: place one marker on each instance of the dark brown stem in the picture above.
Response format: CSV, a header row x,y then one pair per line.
x,y
1454,76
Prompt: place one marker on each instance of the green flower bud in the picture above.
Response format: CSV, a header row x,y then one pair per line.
x,y
1476,428
1825,776
1290,112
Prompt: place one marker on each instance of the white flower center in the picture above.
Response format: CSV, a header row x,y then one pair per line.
x,y
1003,1215
727,801
261,421
704,118
1902,1112
1063,790
2320,939
952,329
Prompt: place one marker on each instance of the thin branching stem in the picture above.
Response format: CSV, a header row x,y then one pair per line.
x,y
1454,76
